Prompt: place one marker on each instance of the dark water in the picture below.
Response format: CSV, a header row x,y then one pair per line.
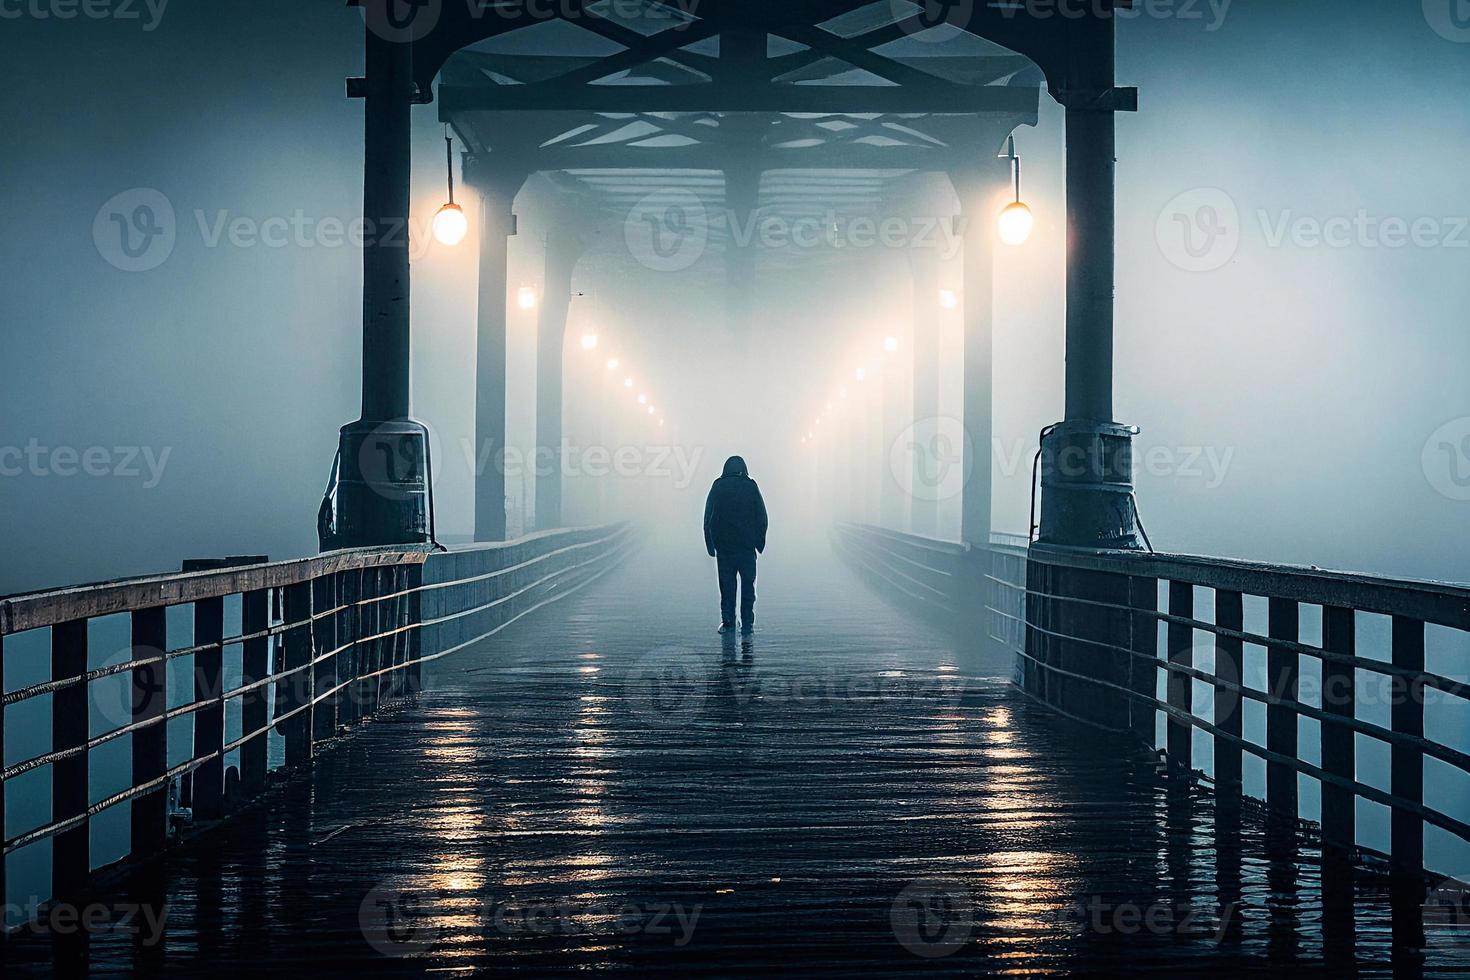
x,y
609,785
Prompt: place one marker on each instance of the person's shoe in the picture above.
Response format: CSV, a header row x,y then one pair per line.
x,y
747,628
726,628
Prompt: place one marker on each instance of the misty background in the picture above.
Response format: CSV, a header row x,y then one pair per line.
x,y
1306,381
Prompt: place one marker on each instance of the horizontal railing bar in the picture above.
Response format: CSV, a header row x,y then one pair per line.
x,y
158,782
883,571
1371,793
1439,750
856,541
1438,682
1430,602
28,611
545,602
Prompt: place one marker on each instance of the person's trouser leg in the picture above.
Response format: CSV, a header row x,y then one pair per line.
x,y
728,566
747,588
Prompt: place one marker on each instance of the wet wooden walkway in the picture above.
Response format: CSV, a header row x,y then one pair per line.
x,y
611,785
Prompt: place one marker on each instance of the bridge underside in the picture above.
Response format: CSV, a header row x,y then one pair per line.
x,y
845,791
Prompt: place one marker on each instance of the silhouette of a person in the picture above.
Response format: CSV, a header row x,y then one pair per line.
x,y
734,533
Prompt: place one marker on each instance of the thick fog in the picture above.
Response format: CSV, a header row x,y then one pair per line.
x,y
1298,370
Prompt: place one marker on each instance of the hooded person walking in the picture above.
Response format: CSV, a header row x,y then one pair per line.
x,y
734,533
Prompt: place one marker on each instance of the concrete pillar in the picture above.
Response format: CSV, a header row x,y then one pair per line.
x,y
563,247
892,511
924,273
498,189
382,478
1086,464
977,186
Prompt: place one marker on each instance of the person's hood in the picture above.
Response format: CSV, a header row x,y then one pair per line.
x,y
734,466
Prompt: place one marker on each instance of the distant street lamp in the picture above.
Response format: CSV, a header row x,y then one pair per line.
x,y
526,297
589,341
450,224
1016,221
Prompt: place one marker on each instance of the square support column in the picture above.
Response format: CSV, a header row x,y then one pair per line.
x,y
497,224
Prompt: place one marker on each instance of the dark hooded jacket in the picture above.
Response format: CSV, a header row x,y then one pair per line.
x,y
734,513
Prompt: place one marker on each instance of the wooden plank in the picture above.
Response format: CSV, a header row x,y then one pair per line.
x,y
150,744
1282,669
1229,705
1339,804
254,706
209,721
1178,686
70,849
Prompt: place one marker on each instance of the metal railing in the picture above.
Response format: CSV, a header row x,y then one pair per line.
x,y
1179,650
1154,608
320,644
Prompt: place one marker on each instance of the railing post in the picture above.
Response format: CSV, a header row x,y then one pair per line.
x,y
1407,765
1143,671
1179,686
150,744
4,881
323,670
254,708
209,721
1229,707
70,849
1283,623
1406,828
414,674
295,690
349,657
1339,804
